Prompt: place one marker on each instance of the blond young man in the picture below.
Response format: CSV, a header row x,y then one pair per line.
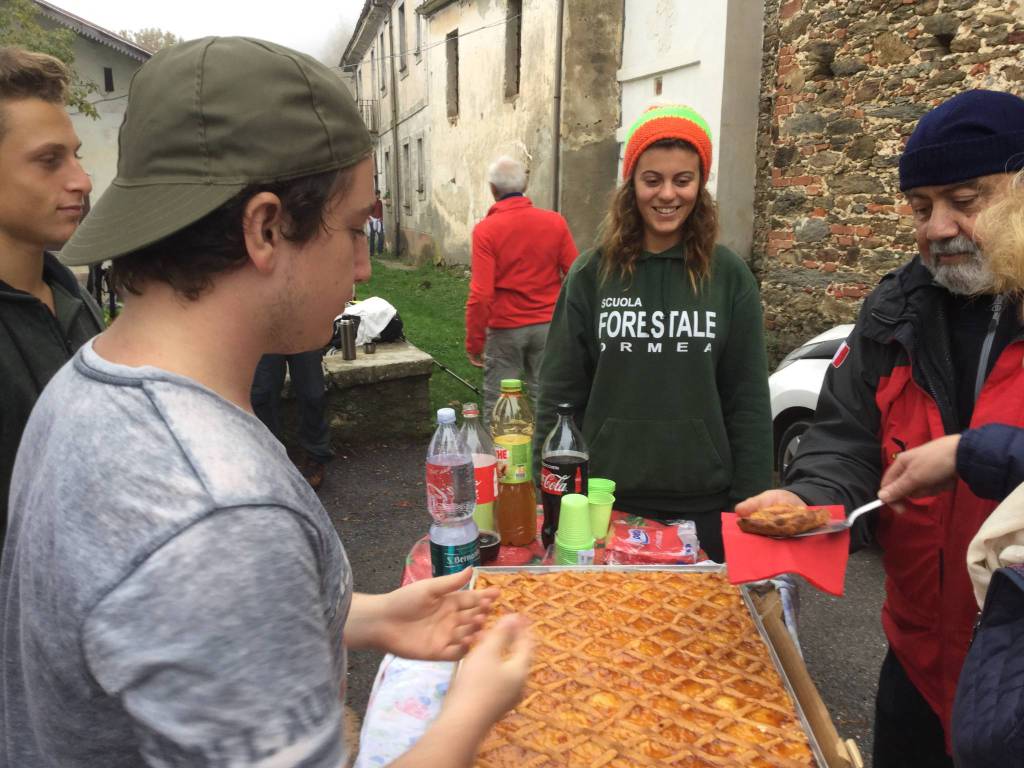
x,y
44,314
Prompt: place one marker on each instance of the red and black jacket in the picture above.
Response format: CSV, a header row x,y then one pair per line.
x,y
893,389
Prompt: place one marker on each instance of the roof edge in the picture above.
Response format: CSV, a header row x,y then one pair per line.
x,y
94,32
374,13
431,7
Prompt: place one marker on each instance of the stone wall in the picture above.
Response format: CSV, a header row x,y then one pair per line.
x,y
375,398
844,82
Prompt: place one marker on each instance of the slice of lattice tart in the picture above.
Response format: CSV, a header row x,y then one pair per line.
x,y
783,520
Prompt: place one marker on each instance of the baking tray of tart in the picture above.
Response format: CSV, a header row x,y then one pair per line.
x,y
646,665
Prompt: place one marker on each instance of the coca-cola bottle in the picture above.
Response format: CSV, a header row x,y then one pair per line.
x,y
565,468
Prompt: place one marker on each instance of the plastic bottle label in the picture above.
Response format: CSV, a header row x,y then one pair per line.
x,y
453,558
450,489
513,452
440,486
559,484
486,484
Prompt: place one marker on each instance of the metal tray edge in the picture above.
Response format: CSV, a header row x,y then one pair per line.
x,y
812,738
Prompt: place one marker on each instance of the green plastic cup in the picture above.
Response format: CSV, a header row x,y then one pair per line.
x,y
569,556
600,485
574,522
600,505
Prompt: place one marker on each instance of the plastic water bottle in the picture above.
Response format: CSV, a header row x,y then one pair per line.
x,y
451,498
479,443
451,488
454,547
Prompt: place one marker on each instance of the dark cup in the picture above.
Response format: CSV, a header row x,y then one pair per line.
x,y
489,543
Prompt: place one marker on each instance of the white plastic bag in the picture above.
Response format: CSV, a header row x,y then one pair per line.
x,y
374,313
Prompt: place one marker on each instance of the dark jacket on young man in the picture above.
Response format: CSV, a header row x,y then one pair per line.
x,y
34,344
898,383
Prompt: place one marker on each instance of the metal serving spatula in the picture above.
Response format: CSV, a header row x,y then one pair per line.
x,y
837,526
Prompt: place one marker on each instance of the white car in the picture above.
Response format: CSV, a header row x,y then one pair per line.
x,y
794,388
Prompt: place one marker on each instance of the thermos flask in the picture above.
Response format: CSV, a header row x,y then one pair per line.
x,y
348,339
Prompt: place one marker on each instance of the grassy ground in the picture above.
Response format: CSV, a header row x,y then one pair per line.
x,y
432,301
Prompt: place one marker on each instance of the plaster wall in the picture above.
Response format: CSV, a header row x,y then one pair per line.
x,y
706,55
488,124
99,136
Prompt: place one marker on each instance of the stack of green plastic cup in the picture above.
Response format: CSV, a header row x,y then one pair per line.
x,y
600,485
600,512
574,534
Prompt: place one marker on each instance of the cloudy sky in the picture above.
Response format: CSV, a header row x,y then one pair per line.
x,y
313,26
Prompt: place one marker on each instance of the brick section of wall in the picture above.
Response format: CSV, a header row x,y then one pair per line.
x,y
843,85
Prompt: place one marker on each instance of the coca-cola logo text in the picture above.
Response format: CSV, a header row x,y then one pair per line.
x,y
553,483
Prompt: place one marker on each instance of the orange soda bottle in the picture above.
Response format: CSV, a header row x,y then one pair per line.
x,y
516,505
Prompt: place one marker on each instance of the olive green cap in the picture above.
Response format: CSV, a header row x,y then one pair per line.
x,y
205,119
511,385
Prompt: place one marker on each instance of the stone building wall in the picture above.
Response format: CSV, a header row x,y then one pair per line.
x,y
843,84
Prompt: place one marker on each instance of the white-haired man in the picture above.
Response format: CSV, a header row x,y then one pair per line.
x,y
520,255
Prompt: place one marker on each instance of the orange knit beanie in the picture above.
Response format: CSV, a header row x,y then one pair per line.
x,y
674,121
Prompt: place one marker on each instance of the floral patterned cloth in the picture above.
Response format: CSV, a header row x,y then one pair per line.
x,y
406,698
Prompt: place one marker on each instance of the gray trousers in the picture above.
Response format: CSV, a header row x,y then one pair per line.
x,y
513,353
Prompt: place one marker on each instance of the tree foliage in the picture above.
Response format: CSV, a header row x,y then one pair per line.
x,y
20,25
152,39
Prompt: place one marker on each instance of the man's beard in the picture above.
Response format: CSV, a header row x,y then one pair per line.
x,y
969,278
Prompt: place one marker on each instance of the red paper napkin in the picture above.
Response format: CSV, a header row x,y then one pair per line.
x,y
819,559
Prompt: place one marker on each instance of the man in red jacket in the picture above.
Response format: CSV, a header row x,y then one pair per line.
x,y
935,351
520,255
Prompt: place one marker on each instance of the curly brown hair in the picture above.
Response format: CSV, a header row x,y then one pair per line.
x,y
190,259
621,240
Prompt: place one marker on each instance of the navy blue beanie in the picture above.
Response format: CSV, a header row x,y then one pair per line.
x,y
976,133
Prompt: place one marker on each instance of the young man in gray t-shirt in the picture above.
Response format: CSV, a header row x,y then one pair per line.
x,y
172,593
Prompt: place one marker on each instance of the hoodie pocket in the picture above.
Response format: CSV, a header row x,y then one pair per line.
x,y
674,457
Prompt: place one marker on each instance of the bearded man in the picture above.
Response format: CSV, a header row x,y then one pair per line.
x,y
934,352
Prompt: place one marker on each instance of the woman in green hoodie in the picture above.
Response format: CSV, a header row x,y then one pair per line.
x,y
658,339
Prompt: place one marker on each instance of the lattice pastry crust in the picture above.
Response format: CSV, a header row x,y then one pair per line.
x,y
642,668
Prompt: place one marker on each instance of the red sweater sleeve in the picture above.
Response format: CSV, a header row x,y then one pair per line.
x,y
481,294
569,252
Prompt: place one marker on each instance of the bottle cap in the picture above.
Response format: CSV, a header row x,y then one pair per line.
x,y
445,416
470,409
511,385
